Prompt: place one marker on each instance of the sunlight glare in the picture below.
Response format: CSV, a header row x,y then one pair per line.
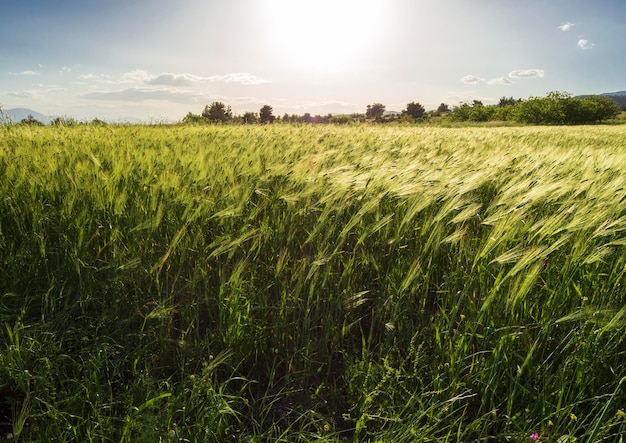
x,y
327,35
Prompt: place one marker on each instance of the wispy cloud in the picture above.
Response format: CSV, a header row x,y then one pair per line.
x,y
456,97
472,80
94,77
585,44
174,80
26,73
32,95
325,107
51,88
138,75
500,81
527,73
566,26
144,94
163,95
243,78
475,80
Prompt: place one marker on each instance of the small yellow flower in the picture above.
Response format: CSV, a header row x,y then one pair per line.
x,y
621,413
145,188
550,423
462,316
573,417
171,433
326,427
585,299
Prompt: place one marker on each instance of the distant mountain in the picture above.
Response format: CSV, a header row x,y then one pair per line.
x,y
16,115
618,97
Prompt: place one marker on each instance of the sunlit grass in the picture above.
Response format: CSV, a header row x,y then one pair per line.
x,y
303,283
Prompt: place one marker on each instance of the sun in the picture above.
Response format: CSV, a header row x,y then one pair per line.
x,y
323,34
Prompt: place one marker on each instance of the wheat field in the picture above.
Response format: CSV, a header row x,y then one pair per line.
x,y
312,283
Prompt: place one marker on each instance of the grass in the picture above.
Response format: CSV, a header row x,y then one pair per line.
x,y
297,283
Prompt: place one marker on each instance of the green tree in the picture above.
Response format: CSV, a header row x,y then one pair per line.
x,y
549,110
480,112
63,121
476,112
341,119
375,111
600,108
415,110
250,118
443,109
217,112
193,119
506,101
461,113
266,114
503,113
31,121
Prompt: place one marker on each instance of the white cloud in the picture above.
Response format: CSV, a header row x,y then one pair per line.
x,y
585,44
32,95
138,75
171,79
174,80
500,81
25,73
472,80
92,79
566,26
51,88
65,70
527,73
94,76
243,78
144,94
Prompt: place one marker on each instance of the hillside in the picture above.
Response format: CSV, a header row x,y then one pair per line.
x,y
18,114
617,97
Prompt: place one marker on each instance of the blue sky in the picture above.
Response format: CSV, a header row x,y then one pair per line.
x,y
157,60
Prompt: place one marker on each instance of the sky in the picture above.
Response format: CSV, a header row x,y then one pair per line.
x,y
157,60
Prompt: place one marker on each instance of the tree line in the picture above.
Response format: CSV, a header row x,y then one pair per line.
x,y
556,108
218,112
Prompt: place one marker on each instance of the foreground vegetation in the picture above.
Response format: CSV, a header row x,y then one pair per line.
x,y
284,283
